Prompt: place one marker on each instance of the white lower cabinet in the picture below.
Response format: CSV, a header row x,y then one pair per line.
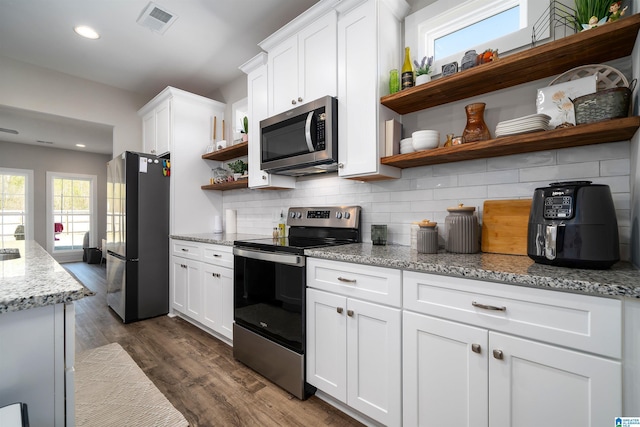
x,y
462,369
353,345
201,285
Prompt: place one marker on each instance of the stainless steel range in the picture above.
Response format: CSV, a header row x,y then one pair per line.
x,y
269,293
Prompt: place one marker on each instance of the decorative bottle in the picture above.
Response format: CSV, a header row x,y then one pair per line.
x,y
407,70
476,129
282,226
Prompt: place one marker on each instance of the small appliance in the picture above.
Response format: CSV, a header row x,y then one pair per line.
x,y
573,224
301,141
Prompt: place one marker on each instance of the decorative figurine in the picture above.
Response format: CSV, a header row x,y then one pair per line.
x,y
616,13
593,23
449,69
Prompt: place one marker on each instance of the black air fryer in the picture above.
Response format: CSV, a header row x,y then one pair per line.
x,y
573,224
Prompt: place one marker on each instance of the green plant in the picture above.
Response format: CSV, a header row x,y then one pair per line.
x,y
238,166
245,125
424,67
586,9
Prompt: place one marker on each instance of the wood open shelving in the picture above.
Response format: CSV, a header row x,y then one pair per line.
x,y
593,133
228,153
594,46
233,185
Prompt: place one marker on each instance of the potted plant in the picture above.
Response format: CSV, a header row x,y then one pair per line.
x,y
245,129
239,168
423,70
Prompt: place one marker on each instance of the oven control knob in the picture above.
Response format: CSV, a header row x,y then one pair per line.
x,y
338,215
298,215
347,215
292,214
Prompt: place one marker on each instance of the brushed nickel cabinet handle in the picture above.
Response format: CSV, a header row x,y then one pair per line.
x,y
342,279
184,250
350,313
498,354
339,309
488,307
476,348
183,266
217,255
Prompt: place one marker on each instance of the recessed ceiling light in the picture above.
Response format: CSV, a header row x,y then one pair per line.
x,y
80,145
86,32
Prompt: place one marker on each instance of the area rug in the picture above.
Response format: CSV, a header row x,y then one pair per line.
x,y
111,390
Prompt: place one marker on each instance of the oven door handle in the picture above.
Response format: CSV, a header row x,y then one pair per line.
x,y
279,258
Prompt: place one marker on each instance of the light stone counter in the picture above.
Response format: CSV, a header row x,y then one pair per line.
x,y
216,238
622,280
35,280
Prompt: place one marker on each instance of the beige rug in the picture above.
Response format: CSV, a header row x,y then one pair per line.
x,y
111,390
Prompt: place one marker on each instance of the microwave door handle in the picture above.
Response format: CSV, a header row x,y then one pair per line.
x,y
307,132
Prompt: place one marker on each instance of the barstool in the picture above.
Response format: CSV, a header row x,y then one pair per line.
x,y
14,415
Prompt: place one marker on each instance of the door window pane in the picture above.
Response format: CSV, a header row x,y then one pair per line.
x,y
72,198
13,205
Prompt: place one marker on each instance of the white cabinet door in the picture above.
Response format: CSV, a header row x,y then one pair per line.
x,y
149,132
534,384
374,368
445,373
179,277
283,76
317,59
217,291
327,343
194,289
163,128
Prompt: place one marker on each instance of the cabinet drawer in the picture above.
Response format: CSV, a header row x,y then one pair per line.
x,y
218,255
376,284
186,249
583,322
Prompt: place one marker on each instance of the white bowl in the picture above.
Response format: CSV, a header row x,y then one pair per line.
x,y
423,133
406,150
406,141
425,143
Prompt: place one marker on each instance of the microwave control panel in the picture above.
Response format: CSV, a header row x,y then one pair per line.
x,y
320,132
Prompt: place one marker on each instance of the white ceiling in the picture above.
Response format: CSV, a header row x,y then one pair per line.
x,y
199,53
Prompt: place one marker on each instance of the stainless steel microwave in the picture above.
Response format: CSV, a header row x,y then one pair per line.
x,y
301,141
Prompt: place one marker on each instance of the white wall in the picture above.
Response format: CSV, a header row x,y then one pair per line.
x,y
38,89
635,160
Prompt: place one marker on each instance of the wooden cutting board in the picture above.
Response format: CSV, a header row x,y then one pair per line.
x,y
504,226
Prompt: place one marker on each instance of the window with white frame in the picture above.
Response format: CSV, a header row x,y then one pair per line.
x,y
446,30
71,211
16,204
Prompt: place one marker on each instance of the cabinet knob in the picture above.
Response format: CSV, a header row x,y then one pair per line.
x,y
299,99
183,266
264,177
339,309
498,354
293,102
476,348
350,313
340,165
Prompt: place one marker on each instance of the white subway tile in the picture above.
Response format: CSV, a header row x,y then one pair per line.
x,y
615,167
560,172
596,152
460,193
516,161
514,190
411,196
469,166
484,178
445,181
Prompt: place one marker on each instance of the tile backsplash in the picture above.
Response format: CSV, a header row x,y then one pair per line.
x,y
426,192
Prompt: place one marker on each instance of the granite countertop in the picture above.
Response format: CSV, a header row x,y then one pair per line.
x,y
621,280
35,280
225,239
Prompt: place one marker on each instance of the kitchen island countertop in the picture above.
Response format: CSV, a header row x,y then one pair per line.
x,y
621,280
35,279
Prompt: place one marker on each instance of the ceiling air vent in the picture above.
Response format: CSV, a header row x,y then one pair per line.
x,y
156,18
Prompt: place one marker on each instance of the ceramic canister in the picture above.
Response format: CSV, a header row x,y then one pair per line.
x,y
427,237
463,231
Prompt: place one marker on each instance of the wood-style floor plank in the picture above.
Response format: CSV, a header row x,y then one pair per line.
x,y
194,370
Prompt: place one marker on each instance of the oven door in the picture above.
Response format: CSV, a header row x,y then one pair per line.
x,y
269,295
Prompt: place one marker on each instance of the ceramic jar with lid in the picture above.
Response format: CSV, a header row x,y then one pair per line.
x,y
463,231
427,237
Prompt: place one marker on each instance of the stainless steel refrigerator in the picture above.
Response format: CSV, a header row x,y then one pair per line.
x,y
138,235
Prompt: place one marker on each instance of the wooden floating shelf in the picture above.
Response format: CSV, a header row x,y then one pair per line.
x,y
228,153
594,46
593,133
233,185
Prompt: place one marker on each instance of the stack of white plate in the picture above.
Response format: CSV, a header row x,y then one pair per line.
x,y
406,146
425,139
531,123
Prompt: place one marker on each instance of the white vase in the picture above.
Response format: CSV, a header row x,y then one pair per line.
x,y
422,78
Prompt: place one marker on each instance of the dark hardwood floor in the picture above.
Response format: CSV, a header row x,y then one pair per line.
x,y
194,370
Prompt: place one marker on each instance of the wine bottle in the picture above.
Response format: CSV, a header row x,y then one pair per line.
x,y
407,70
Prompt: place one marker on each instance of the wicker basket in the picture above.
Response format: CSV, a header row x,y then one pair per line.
x,y
603,105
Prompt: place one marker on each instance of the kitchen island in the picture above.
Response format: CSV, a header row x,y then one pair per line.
x,y
37,328
622,280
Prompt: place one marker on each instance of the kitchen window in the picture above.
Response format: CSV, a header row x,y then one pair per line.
x,y
446,30
16,204
71,214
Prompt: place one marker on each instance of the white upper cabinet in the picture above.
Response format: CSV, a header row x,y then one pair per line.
x,y
156,129
369,45
303,66
257,109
